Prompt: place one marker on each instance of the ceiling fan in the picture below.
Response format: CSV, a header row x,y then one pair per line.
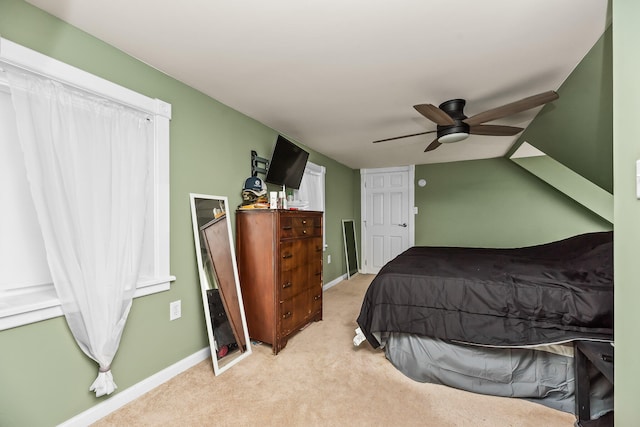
x,y
454,126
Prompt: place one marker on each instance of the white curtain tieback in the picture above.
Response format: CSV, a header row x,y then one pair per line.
x,y
103,384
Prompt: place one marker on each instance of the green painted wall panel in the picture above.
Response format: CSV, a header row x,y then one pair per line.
x,y
494,203
626,78
577,128
570,183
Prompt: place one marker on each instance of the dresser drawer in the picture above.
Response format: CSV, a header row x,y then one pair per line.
x,y
314,251
316,300
300,226
297,280
296,311
293,313
293,253
286,285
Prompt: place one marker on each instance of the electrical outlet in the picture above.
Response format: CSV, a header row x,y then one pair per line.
x,y
328,259
175,310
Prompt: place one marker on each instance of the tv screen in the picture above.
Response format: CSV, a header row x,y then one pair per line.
x,y
287,164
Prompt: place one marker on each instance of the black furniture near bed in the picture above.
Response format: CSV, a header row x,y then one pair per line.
x,y
600,356
462,316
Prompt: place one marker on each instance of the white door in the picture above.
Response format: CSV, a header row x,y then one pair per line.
x,y
387,215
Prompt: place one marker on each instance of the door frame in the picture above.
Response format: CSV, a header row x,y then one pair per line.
x,y
410,169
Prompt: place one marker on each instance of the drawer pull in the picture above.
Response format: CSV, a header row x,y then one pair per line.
x,y
287,227
304,231
304,221
318,273
287,285
317,297
286,315
285,256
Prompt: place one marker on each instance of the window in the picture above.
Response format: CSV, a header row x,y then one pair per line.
x,y
311,191
26,292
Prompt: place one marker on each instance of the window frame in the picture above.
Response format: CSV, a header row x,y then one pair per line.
x,y
321,171
36,302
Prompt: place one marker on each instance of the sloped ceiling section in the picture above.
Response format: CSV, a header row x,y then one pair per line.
x,y
577,129
336,75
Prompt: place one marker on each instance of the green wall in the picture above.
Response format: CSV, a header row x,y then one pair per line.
x,y
493,203
626,148
44,376
568,182
577,128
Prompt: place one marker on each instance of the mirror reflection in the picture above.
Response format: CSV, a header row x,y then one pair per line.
x,y
221,296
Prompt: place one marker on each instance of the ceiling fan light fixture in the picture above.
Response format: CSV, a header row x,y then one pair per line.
x,y
453,137
455,133
453,125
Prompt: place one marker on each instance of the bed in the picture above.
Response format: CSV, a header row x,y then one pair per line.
x,y
496,321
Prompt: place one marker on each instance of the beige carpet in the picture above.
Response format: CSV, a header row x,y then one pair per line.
x,y
321,379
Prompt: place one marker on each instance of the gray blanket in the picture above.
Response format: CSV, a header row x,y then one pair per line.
x,y
537,375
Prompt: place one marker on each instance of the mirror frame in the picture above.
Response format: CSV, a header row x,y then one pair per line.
x,y
204,282
347,248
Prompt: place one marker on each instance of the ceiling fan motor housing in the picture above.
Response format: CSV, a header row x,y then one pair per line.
x,y
457,131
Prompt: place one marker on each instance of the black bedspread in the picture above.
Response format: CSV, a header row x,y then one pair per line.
x,y
541,294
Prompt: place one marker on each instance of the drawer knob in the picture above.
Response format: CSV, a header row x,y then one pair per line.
x,y
287,285
304,231
304,221
287,227
285,256
286,315
317,297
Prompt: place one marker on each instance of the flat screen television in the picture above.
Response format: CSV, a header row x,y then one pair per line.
x,y
287,164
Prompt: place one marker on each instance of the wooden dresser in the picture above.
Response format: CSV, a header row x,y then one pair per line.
x,y
279,256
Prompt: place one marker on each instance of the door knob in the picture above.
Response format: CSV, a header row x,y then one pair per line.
x,y
404,224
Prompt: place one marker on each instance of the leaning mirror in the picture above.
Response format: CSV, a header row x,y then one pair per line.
x,y
218,271
350,249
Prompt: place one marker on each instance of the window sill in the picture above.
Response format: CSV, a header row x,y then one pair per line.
x,y
41,302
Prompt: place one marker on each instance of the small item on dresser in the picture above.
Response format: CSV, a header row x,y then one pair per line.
x,y
254,191
273,200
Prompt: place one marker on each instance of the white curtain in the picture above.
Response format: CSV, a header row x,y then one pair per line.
x,y
87,162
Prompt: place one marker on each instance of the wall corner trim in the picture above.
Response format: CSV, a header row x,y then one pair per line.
x,y
334,282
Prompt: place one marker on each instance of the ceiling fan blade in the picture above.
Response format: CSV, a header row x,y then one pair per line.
x,y
404,136
495,130
434,144
512,108
434,114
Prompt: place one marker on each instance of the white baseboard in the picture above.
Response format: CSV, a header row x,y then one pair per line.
x,y
114,403
334,282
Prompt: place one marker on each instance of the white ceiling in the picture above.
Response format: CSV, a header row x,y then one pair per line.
x,y
337,74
